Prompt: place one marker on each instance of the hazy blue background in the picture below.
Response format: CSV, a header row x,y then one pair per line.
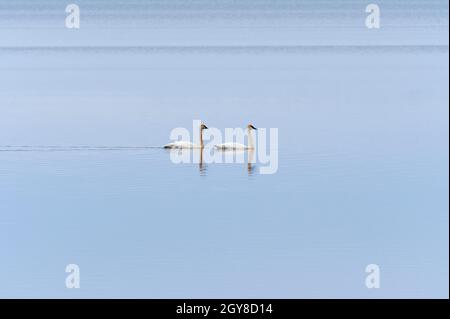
x,y
363,149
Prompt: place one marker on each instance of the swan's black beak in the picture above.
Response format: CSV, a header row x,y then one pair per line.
x,y
253,127
205,127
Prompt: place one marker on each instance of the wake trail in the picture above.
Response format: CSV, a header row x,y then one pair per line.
x,y
52,148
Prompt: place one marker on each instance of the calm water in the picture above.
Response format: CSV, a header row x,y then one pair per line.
x,y
363,149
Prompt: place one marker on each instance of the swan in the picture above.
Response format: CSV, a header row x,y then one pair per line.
x,y
186,144
239,146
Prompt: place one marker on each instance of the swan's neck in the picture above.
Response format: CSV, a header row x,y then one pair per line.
x,y
201,138
251,145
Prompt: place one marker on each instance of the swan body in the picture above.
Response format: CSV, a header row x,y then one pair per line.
x,y
187,144
181,145
232,146
239,146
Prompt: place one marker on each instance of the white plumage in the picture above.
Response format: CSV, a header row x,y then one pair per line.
x,y
231,146
181,145
187,144
239,146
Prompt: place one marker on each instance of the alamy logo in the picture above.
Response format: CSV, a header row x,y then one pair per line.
x,y
249,145
373,19
73,19
73,279
373,277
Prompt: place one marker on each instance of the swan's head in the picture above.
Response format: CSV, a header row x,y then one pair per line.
x,y
251,127
203,127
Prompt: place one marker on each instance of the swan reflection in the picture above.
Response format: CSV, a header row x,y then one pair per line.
x,y
197,156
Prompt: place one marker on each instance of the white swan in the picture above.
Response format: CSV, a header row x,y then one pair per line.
x,y
186,144
239,146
